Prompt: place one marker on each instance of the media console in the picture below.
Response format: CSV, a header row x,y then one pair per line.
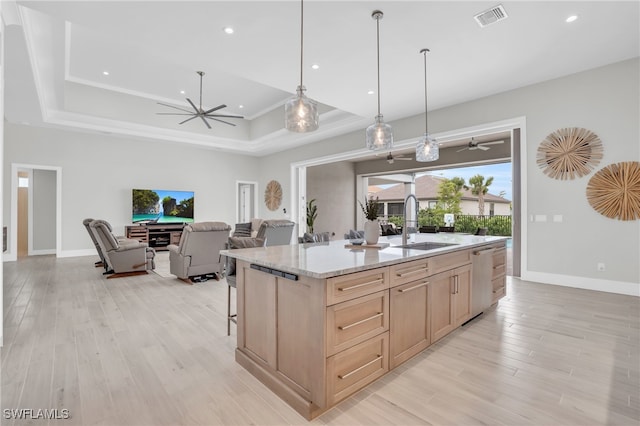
x,y
158,236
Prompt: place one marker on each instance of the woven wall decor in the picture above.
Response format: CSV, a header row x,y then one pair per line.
x,y
273,195
614,191
569,153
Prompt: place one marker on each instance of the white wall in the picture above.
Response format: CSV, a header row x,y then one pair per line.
x,y
605,101
334,188
98,173
43,223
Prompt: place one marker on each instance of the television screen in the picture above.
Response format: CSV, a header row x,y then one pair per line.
x,y
161,206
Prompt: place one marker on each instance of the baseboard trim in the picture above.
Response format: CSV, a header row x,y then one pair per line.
x,y
609,286
42,252
78,253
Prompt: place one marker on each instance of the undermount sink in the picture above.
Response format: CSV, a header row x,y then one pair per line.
x,y
425,245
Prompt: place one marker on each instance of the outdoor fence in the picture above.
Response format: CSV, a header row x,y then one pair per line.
x,y
468,223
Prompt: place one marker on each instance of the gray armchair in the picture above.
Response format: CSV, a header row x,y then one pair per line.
x,y
197,256
276,232
122,257
86,222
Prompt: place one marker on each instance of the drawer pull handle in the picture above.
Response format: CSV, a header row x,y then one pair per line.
x,y
485,251
498,290
415,271
346,327
378,281
404,290
350,373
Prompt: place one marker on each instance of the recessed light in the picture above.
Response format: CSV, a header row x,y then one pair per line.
x,y
182,92
240,106
105,72
571,18
315,66
228,30
370,92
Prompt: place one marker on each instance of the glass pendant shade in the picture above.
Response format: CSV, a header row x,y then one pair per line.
x,y
301,113
379,135
427,149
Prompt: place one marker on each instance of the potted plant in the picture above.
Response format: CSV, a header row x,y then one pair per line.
x,y
312,214
371,226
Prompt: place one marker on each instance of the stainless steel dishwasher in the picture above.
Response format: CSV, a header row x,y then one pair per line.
x,y
482,272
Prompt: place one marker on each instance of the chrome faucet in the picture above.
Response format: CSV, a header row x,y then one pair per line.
x,y
405,230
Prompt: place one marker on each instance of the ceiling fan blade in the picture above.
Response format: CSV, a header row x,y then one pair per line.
x,y
188,119
404,158
483,148
491,143
173,106
174,113
205,121
222,121
460,150
215,109
224,115
194,106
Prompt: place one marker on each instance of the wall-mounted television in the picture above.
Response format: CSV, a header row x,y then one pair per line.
x,y
161,206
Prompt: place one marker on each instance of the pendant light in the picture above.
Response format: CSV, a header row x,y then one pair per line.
x,y
427,149
379,135
300,112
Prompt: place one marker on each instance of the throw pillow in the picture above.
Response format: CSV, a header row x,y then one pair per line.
x,y
238,243
242,230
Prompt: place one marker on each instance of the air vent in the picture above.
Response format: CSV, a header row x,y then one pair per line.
x,y
491,16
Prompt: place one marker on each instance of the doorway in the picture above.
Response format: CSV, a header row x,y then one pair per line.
x,y
35,226
515,126
246,201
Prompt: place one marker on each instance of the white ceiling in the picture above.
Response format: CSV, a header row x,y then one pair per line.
x,y
56,53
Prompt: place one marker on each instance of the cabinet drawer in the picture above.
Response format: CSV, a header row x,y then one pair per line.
x,y
357,320
408,271
356,367
499,289
448,261
350,286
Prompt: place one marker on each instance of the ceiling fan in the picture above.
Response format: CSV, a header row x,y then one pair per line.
x,y
198,111
479,145
391,158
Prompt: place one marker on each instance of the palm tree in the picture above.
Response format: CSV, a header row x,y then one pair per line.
x,y
480,187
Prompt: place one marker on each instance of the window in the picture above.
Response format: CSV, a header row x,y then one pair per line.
x,y
395,209
23,182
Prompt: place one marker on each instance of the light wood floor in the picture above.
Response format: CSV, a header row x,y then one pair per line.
x,y
149,350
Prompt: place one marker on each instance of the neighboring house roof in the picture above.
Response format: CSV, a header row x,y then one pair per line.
x,y
427,189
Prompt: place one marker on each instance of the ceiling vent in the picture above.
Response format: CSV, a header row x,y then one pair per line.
x,y
491,16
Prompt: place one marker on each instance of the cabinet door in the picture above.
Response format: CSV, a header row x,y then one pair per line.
x,y
442,292
410,332
462,296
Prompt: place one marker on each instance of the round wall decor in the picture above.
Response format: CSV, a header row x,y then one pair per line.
x,y
569,153
614,191
273,195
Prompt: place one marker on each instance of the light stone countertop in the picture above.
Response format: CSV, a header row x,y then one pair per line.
x,y
329,259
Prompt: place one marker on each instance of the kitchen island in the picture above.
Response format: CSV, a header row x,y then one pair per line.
x,y
318,322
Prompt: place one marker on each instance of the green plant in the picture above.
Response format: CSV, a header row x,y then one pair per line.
x,y
370,208
396,220
312,214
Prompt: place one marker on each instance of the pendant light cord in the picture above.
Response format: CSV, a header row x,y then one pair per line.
x,y
301,37
426,120
378,48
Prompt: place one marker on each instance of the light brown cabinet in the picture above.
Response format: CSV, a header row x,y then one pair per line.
x,y
409,329
317,341
499,273
450,300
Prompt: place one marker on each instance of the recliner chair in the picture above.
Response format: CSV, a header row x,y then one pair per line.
x,y
122,257
197,256
276,232
102,261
